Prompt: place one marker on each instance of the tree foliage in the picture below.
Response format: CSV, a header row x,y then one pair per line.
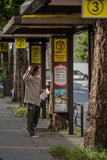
x,y
8,8
81,50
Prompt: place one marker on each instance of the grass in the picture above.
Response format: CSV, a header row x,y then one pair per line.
x,y
59,151
75,130
22,112
77,153
19,111
1,95
46,113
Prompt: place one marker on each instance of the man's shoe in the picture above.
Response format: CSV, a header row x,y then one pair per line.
x,y
36,135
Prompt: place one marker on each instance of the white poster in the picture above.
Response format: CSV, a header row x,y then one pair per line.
x,y
60,77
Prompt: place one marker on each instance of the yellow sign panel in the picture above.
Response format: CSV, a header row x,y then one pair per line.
x,y
60,50
36,54
3,47
94,8
20,42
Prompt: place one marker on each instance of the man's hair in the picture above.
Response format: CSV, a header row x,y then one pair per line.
x,y
34,68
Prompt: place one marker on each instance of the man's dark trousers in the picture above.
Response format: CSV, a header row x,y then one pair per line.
x,y
33,115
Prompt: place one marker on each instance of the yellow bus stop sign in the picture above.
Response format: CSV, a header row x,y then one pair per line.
x,y
20,42
36,54
3,47
94,9
60,50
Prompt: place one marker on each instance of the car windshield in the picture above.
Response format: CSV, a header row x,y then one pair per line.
x,y
77,73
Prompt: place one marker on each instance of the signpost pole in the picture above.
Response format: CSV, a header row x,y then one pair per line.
x,y
70,81
43,69
90,52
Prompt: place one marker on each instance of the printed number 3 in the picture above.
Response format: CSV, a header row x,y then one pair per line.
x,y
96,6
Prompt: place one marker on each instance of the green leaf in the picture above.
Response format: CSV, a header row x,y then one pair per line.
x,y
8,8
81,49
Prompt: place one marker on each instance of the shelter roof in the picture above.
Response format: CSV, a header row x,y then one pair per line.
x,y
48,17
40,24
51,6
29,37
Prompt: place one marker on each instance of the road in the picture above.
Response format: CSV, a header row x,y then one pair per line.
x,y
80,94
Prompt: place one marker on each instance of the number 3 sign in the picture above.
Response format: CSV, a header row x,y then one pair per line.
x,y
94,8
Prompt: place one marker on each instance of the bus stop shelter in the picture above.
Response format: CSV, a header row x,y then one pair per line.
x,y
57,21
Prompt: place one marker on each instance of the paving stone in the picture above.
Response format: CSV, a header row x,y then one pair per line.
x,y
15,144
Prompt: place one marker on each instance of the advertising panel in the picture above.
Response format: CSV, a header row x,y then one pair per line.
x,y
60,75
60,100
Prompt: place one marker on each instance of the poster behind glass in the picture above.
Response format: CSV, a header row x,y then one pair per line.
x,y
60,100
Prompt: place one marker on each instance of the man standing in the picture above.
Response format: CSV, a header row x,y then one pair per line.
x,y
32,98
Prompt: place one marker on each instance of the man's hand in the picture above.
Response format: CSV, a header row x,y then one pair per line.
x,y
30,67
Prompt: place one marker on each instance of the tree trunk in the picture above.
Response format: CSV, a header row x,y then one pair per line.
x,y
96,121
21,67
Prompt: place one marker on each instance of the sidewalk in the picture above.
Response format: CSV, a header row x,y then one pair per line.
x,y
15,144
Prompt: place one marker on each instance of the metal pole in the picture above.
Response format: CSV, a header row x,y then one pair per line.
x,y
81,120
70,81
90,52
43,68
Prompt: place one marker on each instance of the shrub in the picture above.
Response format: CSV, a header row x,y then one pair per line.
x,y
20,111
78,153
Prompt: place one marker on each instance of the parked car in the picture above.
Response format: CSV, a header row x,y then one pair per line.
x,y
77,75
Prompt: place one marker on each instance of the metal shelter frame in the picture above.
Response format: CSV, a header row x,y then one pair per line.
x,y
41,19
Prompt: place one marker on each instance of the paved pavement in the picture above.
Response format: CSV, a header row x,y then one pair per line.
x,y
15,144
